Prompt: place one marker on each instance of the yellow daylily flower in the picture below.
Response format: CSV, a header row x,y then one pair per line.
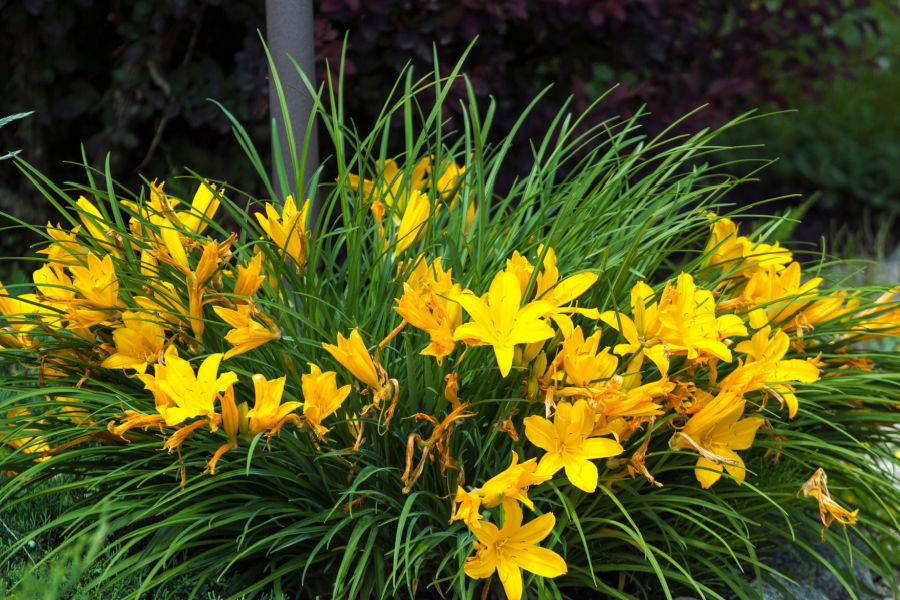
x,y
203,209
737,255
683,322
247,333
501,322
64,249
569,444
779,293
391,187
469,506
288,231
96,281
163,302
689,323
321,397
642,333
561,293
512,483
427,316
172,244
450,175
766,368
414,221
514,547
716,431
54,284
138,344
519,266
248,277
269,413
180,393
196,283
232,422
884,317
352,353
429,303
94,223
582,363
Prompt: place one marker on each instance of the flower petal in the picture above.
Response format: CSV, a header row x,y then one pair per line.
x,y
581,473
704,475
540,561
549,465
539,432
745,432
511,578
598,447
481,565
736,470
534,530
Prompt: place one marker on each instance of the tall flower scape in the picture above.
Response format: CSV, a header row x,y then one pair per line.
x,y
435,389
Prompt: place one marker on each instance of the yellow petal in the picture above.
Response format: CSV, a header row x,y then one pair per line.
x,y
539,432
707,472
541,561
737,469
599,447
549,465
504,354
123,361
581,473
623,324
534,531
795,370
511,578
481,565
745,432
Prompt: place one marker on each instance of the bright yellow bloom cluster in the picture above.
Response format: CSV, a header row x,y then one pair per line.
x,y
191,319
411,197
79,298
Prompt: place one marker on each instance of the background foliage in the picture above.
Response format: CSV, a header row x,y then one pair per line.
x,y
132,78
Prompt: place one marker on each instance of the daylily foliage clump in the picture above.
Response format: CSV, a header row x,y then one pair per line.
x,y
406,376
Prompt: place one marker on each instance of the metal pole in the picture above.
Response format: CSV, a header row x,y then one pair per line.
x,y
289,31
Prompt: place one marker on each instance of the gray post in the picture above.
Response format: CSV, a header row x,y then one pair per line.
x,y
289,31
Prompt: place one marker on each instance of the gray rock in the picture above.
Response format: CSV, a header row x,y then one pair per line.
x,y
791,591
812,580
810,572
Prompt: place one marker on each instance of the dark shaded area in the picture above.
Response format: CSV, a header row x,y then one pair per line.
x,y
133,79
